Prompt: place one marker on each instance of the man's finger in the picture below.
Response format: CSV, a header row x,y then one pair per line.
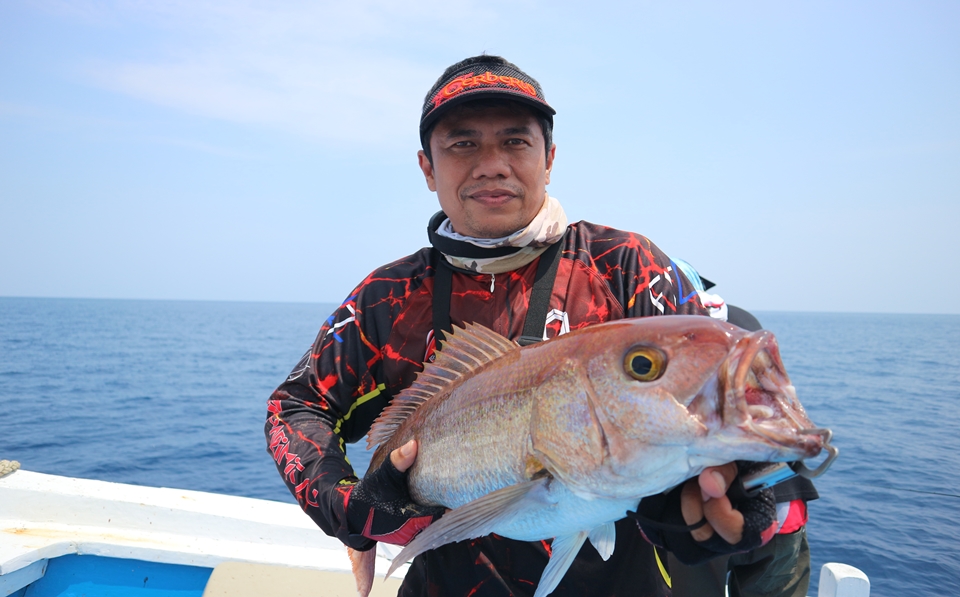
x,y
403,457
691,505
715,480
726,520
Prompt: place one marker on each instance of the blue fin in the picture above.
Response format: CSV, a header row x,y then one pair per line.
x,y
604,539
565,549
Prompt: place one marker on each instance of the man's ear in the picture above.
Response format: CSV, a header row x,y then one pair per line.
x,y
550,155
427,169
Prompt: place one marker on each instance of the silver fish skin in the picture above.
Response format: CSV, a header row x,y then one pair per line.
x,y
561,438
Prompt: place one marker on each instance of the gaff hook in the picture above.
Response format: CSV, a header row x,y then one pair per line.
x,y
832,451
769,476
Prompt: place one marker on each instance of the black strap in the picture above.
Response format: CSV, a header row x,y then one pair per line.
x,y
536,317
540,296
442,287
663,526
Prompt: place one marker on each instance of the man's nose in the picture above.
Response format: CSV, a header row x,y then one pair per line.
x,y
492,162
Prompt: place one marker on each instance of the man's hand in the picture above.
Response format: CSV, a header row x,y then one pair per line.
x,y
706,497
745,525
380,507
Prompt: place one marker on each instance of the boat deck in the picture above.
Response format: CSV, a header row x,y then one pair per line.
x,y
62,537
45,518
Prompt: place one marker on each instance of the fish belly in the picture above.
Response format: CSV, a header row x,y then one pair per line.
x,y
568,514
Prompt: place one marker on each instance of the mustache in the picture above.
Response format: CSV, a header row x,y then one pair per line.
x,y
516,190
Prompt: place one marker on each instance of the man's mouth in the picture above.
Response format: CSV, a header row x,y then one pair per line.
x,y
492,196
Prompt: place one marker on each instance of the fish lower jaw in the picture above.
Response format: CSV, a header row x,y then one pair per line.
x,y
789,439
745,442
768,441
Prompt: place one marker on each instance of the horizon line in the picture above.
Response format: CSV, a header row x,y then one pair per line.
x,y
335,303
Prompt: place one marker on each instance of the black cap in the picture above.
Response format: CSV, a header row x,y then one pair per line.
x,y
477,78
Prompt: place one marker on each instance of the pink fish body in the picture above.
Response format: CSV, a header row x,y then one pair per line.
x,y
560,439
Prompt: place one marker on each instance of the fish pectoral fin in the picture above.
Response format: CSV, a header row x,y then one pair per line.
x,y
476,519
564,550
604,538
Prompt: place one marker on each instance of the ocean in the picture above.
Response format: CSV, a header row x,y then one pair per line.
x,y
173,393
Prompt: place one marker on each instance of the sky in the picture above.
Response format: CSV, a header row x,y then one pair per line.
x,y
805,156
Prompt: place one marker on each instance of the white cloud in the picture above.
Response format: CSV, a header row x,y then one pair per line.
x,y
331,70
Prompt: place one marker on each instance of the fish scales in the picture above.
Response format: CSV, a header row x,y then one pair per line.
x,y
561,438
485,421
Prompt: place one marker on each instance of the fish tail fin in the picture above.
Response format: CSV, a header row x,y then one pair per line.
x,y
364,565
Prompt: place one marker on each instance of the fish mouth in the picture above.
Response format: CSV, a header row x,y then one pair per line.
x,y
753,393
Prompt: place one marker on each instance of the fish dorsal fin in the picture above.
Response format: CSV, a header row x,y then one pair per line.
x,y
466,350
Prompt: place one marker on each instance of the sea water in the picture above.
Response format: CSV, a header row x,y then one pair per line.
x,y
173,393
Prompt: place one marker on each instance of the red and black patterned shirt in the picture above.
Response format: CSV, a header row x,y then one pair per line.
x,y
374,344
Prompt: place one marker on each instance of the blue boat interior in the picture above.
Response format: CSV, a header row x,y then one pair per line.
x,y
95,576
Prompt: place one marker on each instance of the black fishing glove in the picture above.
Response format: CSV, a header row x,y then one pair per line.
x,y
660,518
380,507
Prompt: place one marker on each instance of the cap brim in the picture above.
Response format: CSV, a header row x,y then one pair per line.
x,y
479,94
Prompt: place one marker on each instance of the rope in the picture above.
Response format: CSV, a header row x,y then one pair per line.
x,y
8,466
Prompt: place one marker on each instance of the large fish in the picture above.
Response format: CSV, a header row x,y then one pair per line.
x,y
560,439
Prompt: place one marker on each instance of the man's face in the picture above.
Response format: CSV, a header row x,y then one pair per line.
x,y
490,168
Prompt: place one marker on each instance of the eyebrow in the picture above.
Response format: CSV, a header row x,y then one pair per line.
x,y
517,130
514,130
462,133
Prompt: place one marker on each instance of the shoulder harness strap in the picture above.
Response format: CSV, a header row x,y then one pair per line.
x,y
536,318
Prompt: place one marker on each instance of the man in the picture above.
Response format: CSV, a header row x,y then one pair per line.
x,y
504,257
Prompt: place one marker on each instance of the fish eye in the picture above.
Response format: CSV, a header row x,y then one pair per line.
x,y
644,363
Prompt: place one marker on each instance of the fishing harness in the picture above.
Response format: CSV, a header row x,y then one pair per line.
x,y
536,318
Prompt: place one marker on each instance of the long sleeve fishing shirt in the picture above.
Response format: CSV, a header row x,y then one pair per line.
x,y
373,346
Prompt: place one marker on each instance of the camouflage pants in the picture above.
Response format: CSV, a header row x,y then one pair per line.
x,y
781,568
